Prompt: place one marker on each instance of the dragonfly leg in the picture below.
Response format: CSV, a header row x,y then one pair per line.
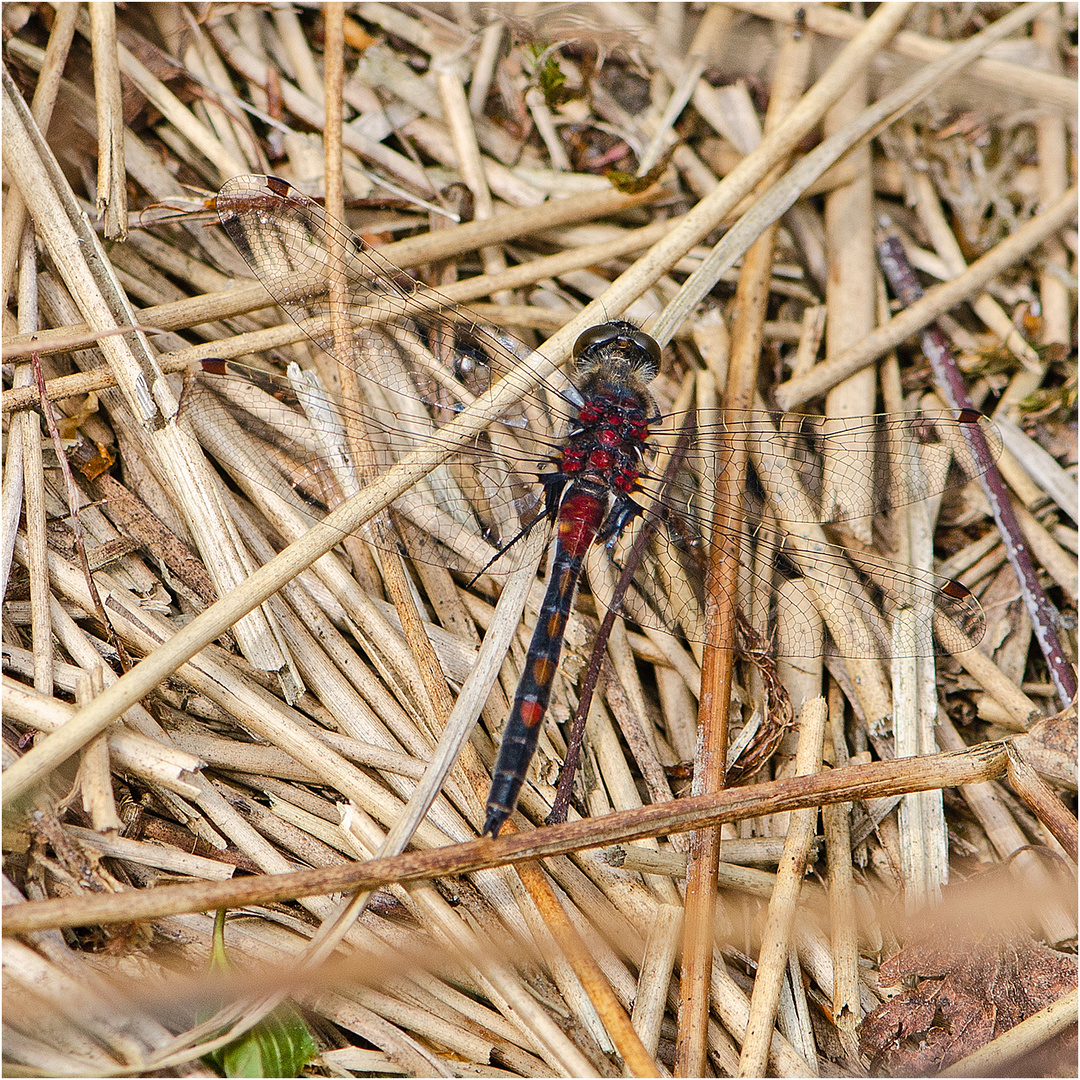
x,y
618,517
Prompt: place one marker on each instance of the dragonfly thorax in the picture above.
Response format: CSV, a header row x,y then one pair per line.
x,y
608,441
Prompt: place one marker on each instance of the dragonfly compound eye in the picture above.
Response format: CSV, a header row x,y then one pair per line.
x,y
649,344
597,335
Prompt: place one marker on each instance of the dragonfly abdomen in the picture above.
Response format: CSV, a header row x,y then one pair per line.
x,y
580,516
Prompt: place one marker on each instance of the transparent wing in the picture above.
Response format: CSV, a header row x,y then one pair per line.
x,y
420,360
358,306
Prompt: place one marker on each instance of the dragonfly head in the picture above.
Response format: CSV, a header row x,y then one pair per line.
x,y
620,348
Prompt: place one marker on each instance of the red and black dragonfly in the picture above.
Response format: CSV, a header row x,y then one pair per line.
x,y
584,453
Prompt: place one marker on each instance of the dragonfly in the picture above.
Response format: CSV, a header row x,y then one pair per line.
x,y
581,453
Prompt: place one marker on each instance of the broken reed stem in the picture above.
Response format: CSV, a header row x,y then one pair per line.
x,y
1042,798
31,478
843,929
108,97
94,777
879,779
950,380
73,497
151,761
776,938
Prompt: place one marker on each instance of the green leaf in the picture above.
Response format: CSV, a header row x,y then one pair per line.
x,y
629,184
550,77
219,960
279,1045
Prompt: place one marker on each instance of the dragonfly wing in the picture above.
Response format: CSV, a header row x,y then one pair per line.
x,y
898,459
851,595
339,289
283,436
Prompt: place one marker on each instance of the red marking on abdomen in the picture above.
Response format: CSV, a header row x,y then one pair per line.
x,y
579,519
531,712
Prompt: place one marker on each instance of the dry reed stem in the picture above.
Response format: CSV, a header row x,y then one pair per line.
x,y
41,108
612,1015
836,823
1041,85
33,486
197,310
923,836
721,600
1052,152
94,778
851,307
111,177
1049,477
1042,799
776,938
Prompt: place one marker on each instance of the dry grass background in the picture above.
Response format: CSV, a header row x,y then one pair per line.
x,y
263,759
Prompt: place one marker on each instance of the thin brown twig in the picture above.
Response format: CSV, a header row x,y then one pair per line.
x,y
975,765
588,684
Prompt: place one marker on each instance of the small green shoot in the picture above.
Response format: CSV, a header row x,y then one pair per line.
x,y
279,1045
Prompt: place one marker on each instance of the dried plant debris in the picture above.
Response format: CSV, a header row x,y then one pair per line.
x,y
324,322
960,992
